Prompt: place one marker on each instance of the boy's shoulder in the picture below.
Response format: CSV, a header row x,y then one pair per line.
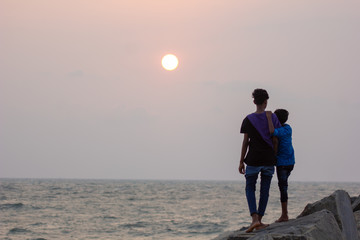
x,y
287,125
284,130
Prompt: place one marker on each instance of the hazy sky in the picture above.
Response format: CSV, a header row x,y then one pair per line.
x,y
83,93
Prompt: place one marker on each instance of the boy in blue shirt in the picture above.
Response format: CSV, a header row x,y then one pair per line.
x,y
285,157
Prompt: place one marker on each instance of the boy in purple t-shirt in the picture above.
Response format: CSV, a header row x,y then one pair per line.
x,y
258,154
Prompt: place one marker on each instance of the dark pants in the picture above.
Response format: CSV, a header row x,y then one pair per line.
x,y
251,176
283,173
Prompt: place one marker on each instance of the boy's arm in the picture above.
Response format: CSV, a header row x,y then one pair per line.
x,y
275,141
244,148
283,131
271,125
272,130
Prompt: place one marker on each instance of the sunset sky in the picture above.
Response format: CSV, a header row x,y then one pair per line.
x,y
83,93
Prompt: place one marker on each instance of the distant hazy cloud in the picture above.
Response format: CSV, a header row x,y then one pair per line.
x,y
77,73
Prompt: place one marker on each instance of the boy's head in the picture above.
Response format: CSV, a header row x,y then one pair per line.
x,y
260,96
282,115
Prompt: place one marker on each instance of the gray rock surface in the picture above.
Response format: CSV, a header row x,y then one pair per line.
x,y
340,205
317,226
357,219
356,204
330,218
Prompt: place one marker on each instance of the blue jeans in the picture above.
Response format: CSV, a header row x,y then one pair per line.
x,y
283,173
251,175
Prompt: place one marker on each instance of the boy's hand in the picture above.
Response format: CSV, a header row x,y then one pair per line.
x,y
242,168
268,114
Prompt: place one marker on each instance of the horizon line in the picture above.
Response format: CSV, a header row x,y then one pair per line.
x,y
163,179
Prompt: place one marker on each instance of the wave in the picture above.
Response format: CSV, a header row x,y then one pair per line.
x,y
8,187
38,224
18,230
11,206
135,225
206,227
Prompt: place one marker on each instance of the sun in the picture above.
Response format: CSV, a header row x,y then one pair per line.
x,y
170,62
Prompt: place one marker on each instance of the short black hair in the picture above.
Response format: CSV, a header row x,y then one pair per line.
x,y
282,115
260,96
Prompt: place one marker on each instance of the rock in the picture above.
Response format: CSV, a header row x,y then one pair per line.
x,y
340,205
235,235
353,199
330,218
356,204
357,219
317,226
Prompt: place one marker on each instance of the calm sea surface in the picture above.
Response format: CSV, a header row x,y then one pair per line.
x,y
122,209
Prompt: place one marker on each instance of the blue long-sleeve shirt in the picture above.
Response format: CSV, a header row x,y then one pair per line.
x,y
285,154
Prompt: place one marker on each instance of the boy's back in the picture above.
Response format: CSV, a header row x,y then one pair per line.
x,y
285,154
285,157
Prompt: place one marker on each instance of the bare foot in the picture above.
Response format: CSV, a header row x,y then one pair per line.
x,y
253,226
282,219
262,225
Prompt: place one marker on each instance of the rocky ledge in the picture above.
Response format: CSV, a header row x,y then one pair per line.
x,y
336,217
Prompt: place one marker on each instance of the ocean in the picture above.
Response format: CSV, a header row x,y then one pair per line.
x,y
139,209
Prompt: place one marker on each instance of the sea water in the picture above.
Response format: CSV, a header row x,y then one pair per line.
x,y
124,209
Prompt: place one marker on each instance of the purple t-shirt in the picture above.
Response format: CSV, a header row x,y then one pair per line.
x,y
260,122
261,152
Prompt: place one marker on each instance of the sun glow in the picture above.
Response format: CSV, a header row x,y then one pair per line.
x,y
169,62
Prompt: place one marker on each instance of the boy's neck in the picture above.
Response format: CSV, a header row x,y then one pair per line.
x,y
260,108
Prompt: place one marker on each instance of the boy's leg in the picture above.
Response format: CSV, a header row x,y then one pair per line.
x,y
283,173
251,175
266,176
284,213
250,193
